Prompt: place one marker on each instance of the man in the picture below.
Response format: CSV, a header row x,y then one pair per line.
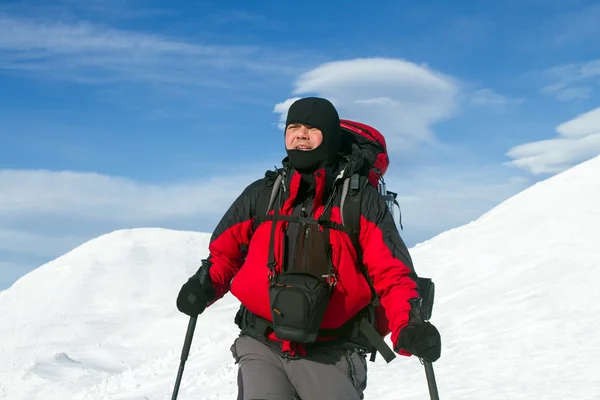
x,y
299,283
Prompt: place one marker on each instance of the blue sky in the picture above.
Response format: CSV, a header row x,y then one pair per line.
x,y
119,114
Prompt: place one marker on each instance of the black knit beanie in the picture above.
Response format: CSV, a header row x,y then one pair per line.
x,y
317,113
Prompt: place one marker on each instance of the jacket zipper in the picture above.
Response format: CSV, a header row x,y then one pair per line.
x,y
306,234
306,227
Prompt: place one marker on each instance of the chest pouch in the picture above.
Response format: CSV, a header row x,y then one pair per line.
x,y
298,303
299,296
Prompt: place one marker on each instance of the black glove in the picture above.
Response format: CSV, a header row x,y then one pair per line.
x,y
421,340
196,293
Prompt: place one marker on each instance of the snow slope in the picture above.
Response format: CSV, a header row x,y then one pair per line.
x,y
517,306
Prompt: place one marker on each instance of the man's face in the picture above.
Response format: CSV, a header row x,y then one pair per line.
x,y
302,137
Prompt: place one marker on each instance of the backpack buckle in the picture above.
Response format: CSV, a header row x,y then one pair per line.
x,y
355,182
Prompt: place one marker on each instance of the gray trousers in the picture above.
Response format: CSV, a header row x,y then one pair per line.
x,y
330,374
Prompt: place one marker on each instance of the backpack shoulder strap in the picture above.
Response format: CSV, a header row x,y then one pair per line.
x,y
273,179
274,192
350,209
350,205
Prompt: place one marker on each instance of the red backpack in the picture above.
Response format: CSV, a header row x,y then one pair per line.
x,y
371,144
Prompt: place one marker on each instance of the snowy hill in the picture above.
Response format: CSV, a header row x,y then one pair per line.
x,y
517,306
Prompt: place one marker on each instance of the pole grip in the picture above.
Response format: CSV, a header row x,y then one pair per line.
x,y
417,316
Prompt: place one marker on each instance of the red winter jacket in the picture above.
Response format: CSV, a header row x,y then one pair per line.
x,y
239,252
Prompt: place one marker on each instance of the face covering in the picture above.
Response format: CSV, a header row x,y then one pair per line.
x,y
321,114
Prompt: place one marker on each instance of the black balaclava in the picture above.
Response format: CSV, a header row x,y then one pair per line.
x,y
318,113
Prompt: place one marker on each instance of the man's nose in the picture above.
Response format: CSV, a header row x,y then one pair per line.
x,y
302,132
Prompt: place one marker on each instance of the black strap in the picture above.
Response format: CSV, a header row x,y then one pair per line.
x,y
376,340
323,221
351,212
272,262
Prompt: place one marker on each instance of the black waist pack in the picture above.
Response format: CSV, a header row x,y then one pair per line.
x,y
298,303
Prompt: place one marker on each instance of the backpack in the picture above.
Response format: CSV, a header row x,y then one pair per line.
x,y
371,143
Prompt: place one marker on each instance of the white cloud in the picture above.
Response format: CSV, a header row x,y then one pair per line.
x,y
400,98
574,81
282,109
579,141
583,125
437,198
44,214
34,244
102,197
432,199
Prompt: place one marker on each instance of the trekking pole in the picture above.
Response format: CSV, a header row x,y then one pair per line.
x,y
184,354
417,316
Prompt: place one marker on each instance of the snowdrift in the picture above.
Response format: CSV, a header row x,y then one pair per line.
x,y
516,304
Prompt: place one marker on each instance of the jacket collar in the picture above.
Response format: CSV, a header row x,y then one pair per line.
x,y
325,179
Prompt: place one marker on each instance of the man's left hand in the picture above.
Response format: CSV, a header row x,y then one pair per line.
x,y
421,340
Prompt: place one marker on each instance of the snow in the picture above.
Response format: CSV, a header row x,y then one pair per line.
x,y
516,303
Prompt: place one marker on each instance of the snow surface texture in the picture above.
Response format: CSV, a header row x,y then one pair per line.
x,y
516,303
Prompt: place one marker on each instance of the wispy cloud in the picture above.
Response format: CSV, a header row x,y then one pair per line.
x,y
578,25
490,98
574,81
579,140
237,16
94,53
401,98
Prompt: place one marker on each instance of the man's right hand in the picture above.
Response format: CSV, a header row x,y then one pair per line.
x,y
196,293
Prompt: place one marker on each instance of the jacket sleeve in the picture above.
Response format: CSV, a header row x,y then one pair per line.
x,y
230,239
387,260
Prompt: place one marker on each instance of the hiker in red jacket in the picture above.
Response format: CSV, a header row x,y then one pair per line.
x,y
285,250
